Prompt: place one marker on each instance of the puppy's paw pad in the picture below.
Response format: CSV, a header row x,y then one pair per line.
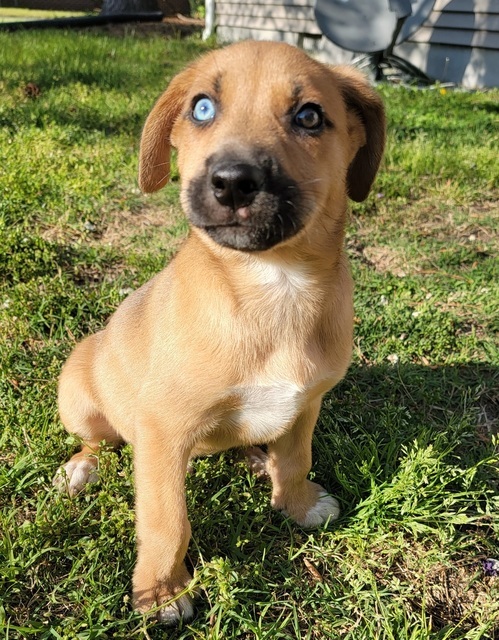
x,y
75,474
256,459
181,608
326,508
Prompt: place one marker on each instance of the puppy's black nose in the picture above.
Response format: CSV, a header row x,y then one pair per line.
x,y
236,185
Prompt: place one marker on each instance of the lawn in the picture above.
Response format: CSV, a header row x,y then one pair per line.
x,y
13,14
407,442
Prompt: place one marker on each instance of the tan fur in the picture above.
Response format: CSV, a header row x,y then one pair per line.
x,y
184,362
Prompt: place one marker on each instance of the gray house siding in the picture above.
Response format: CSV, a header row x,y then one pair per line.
x,y
458,42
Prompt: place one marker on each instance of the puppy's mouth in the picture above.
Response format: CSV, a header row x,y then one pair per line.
x,y
245,202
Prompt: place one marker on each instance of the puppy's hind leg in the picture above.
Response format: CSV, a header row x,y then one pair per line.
x,y
257,459
81,416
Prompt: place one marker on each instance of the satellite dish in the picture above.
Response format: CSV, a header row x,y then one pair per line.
x,y
373,27
421,9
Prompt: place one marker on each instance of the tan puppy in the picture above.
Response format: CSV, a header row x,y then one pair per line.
x,y
234,343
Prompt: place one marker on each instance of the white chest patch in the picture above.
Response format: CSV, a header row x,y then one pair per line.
x,y
267,411
288,278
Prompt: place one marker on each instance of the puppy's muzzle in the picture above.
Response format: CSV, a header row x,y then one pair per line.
x,y
245,201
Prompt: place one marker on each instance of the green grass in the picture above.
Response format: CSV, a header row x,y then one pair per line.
x,y
408,441
13,14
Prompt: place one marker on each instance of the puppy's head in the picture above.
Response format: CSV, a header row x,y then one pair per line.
x,y
268,142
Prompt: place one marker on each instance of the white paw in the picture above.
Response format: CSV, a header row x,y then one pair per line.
x,y
181,608
326,508
75,474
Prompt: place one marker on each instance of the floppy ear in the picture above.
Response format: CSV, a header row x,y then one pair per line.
x,y
154,157
367,122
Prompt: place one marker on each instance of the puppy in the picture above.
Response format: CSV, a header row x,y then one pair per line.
x,y
236,341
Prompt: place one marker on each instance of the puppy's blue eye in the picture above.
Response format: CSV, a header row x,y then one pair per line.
x,y
203,110
309,117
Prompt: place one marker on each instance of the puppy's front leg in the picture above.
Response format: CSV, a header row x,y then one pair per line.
x,y
288,464
163,529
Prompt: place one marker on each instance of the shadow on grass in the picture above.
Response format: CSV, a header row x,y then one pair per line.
x,y
81,118
368,424
90,82
407,449
376,411
109,61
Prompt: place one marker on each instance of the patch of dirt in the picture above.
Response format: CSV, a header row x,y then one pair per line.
x,y
469,232
124,228
458,226
459,595
387,260
93,275
488,415
466,224
144,231
381,258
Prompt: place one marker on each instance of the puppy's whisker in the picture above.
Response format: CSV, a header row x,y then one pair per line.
x,y
161,164
165,177
311,181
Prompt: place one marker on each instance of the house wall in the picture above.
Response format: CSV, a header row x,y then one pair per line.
x,y
458,41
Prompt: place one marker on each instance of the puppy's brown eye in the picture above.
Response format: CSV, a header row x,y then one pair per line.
x,y
309,117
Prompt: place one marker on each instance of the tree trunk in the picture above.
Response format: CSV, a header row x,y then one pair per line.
x,y
110,7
